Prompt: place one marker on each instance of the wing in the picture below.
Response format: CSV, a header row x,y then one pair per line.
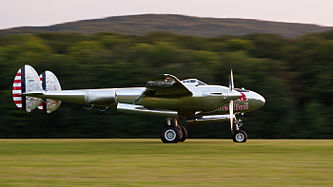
x,y
166,85
139,109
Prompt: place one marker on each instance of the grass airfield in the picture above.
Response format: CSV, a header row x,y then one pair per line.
x,y
148,162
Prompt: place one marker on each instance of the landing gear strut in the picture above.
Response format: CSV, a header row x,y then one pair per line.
x,y
173,132
239,136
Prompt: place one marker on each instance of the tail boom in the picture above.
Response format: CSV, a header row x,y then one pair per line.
x,y
99,97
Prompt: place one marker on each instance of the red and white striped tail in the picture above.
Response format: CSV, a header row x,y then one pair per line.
x,y
26,74
17,90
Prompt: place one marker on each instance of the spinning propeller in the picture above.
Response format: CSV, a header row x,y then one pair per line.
x,y
231,103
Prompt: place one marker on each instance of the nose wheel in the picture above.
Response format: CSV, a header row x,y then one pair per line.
x,y
173,132
239,136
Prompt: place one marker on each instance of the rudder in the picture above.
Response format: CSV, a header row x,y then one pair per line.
x,y
26,81
49,82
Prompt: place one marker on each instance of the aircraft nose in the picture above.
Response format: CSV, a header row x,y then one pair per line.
x,y
261,100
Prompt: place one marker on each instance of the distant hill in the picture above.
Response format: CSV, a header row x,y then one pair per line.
x,y
187,25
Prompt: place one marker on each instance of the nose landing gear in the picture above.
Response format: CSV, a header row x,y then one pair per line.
x,y
239,136
173,132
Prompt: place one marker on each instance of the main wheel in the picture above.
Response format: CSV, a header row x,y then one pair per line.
x,y
240,136
185,133
170,135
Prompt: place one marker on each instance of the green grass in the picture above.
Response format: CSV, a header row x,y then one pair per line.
x,y
148,162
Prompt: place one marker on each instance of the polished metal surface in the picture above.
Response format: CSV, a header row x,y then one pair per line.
x,y
49,83
209,118
138,109
164,95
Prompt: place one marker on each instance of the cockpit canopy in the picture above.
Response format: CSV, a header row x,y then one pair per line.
x,y
193,81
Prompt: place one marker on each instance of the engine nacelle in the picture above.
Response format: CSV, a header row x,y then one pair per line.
x,y
101,97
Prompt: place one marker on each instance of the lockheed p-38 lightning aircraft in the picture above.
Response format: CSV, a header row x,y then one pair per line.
x,y
188,100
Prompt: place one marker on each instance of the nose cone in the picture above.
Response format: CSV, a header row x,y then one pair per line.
x,y
256,101
261,100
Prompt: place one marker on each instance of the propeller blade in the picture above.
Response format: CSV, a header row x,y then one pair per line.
x,y
231,80
231,110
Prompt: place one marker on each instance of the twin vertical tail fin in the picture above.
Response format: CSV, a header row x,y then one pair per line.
x,y
49,82
28,81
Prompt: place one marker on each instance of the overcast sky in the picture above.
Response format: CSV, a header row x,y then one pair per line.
x,y
15,13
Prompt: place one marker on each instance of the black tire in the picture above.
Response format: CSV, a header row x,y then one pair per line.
x,y
185,133
239,136
170,135
181,134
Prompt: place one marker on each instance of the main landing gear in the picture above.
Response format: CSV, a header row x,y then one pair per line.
x,y
239,136
173,132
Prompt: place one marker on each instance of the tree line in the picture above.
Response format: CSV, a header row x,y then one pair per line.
x,y
294,75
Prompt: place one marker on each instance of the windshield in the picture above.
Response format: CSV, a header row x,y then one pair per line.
x,y
193,81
